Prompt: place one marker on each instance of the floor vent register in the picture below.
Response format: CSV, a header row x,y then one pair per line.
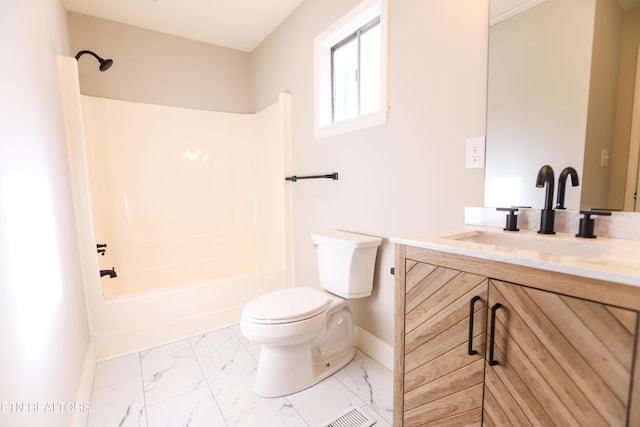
x,y
351,417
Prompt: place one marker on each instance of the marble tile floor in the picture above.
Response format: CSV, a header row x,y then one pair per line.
x,y
207,380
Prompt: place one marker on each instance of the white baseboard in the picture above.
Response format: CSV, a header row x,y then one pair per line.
x,y
374,347
85,386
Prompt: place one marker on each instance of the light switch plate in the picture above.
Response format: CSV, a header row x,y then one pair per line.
x,y
604,157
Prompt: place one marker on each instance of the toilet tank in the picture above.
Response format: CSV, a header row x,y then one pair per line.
x,y
346,262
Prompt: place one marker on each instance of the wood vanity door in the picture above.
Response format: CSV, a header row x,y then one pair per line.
x,y
442,382
561,360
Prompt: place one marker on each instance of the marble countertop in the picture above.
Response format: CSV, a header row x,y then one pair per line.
x,y
613,260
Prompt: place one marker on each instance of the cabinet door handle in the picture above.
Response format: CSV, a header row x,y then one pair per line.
x,y
471,351
492,339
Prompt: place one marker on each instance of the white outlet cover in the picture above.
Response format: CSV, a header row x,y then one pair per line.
x,y
474,152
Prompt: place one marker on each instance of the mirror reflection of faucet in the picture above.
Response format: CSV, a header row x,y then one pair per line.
x,y
562,183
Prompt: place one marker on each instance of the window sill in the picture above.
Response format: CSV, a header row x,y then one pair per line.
x,y
376,118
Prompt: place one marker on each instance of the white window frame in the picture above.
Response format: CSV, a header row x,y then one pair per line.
x,y
349,23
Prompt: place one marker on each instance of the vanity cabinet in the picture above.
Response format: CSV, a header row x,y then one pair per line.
x,y
562,351
557,360
441,379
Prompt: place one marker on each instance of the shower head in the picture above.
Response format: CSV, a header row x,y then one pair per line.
x,y
105,64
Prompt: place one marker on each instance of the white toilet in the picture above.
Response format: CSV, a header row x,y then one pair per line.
x,y
307,334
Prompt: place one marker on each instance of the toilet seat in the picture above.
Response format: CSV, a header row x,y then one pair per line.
x,y
286,306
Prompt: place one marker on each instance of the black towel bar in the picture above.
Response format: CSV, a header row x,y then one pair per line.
x,y
294,178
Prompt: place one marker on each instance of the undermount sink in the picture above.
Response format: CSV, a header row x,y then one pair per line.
x,y
547,244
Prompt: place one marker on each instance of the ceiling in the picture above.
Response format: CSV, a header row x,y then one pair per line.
x,y
236,24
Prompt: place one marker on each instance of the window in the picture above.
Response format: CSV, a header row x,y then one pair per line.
x,y
350,71
355,73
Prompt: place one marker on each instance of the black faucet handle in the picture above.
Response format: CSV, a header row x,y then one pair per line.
x,y
512,218
596,212
587,223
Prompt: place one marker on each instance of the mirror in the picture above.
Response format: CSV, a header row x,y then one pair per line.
x,y
560,92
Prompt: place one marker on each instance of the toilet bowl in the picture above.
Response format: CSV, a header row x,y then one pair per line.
x,y
306,334
302,346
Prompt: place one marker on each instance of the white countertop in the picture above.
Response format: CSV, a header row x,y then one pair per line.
x,y
613,260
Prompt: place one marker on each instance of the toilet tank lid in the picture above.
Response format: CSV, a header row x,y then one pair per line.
x,y
346,238
287,304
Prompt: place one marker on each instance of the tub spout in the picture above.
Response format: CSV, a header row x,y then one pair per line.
x,y
111,273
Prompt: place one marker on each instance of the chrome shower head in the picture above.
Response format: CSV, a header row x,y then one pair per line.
x,y
105,64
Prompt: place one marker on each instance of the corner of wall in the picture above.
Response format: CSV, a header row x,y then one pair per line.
x,y
374,347
85,386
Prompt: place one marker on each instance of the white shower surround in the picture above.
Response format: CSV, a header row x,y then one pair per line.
x,y
182,196
192,205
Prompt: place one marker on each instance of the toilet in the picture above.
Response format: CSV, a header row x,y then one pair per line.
x,y
306,334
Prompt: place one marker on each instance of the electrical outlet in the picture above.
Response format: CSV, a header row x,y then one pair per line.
x,y
474,154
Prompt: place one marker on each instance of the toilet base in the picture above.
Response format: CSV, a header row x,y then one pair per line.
x,y
287,369
290,369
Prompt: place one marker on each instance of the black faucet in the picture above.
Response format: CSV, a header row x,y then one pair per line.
x,y
546,177
111,273
562,183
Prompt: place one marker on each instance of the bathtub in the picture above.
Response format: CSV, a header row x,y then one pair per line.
x,y
192,206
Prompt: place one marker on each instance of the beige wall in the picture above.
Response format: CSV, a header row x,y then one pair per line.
x,y
44,327
158,68
405,176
